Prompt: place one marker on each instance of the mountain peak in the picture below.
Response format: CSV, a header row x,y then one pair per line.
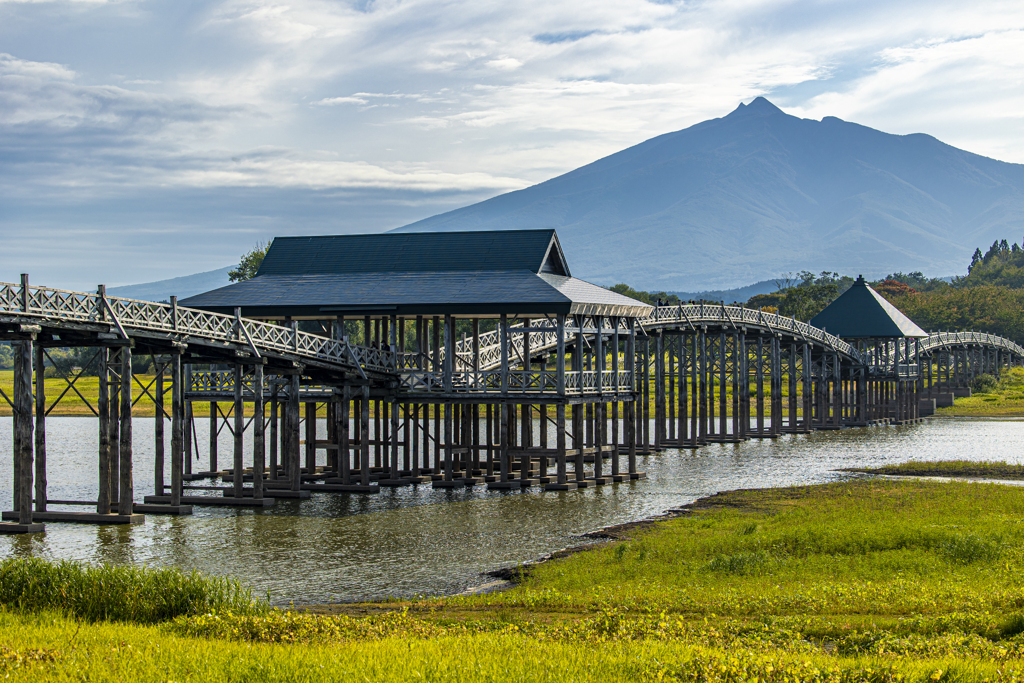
x,y
759,106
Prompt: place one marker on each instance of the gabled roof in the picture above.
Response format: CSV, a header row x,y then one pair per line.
x,y
862,313
479,274
537,251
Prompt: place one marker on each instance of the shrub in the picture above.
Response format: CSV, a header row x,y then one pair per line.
x,y
984,384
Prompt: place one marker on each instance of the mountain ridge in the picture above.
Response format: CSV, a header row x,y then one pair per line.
x,y
758,192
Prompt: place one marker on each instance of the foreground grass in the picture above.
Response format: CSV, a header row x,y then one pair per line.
x,y
871,580
118,593
951,468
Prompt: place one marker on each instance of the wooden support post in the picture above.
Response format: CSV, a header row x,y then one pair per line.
x,y
395,474
560,443
274,437
578,440
23,429
310,450
759,378
695,413
177,429
40,435
103,408
503,462
115,428
188,426
258,433
158,432
238,433
344,440
702,342
645,408
723,417
659,389
126,487
737,432
364,436
213,435
291,455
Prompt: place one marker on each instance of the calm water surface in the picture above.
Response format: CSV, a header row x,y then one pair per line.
x,y
415,541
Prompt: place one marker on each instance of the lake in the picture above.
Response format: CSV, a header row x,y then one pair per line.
x,y
420,541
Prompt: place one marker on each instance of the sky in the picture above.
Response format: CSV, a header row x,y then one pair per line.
x,y
147,139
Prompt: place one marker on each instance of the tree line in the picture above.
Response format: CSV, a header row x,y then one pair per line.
x,y
989,298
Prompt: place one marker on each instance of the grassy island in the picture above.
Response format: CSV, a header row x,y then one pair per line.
x,y
871,580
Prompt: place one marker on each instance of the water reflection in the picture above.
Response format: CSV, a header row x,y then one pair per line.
x,y
411,541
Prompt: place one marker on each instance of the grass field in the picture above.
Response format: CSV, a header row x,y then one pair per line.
x,y
1005,400
952,468
871,580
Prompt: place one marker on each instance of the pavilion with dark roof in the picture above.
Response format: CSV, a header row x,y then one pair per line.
x,y
481,274
862,313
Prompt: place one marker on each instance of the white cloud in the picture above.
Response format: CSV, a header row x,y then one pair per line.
x,y
429,96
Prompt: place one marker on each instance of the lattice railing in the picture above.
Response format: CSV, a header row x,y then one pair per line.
x,y
737,315
941,340
48,304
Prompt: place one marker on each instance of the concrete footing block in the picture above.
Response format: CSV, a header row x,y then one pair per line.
x,y
18,528
453,484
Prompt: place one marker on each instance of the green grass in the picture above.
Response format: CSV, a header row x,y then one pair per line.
x,y
118,593
1006,399
951,468
872,580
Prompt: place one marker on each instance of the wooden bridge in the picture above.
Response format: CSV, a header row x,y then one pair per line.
x,y
563,393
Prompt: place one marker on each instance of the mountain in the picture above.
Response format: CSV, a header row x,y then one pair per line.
x,y
181,287
730,295
759,193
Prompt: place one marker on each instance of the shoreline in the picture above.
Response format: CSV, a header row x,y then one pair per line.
x,y
509,577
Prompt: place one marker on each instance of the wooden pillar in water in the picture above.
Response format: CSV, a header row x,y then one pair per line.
x,y
344,438
702,379
188,426
177,429
40,432
274,434
615,403
126,487
238,433
364,436
759,379
578,441
723,418
560,443
503,463
659,389
22,455
114,386
213,435
291,455
737,432
158,431
103,500
258,431
694,342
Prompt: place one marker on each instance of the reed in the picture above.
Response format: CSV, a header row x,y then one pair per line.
x,y
118,593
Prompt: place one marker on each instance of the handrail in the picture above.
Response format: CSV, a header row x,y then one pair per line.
x,y
48,303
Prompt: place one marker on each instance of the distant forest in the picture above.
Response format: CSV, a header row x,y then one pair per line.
x,y
990,298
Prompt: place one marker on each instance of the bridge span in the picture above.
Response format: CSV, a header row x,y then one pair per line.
x,y
562,397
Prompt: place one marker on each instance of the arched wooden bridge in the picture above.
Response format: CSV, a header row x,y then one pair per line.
x,y
677,376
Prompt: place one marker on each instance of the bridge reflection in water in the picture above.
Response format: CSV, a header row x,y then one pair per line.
x,y
415,405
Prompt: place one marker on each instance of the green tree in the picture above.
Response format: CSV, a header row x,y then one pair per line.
x,y
250,263
6,357
650,298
